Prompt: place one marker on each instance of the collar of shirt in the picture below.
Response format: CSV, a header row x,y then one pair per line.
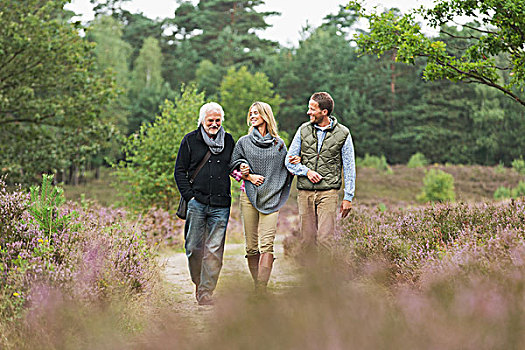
x,y
323,128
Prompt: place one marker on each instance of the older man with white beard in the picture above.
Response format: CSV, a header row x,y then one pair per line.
x,y
208,196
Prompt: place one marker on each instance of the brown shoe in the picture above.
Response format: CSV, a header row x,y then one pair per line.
x,y
206,300
265,270
253,266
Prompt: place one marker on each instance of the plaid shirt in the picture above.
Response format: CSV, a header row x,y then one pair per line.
x,y
237,175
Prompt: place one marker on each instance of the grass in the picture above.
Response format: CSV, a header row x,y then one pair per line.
x,y
400,189
99,190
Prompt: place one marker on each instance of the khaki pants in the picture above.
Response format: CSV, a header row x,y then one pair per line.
x,y
317,214
257,227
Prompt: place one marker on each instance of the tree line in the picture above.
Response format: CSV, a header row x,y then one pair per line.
x,y
72,95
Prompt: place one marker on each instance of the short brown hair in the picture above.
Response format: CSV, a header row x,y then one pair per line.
x,y
324,100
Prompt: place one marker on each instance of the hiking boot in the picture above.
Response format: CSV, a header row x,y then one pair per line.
x,y
253,266
265,270
206,300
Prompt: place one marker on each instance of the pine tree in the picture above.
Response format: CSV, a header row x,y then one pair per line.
x,y
221,31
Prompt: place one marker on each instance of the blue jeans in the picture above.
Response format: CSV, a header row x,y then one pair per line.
x,y
204,233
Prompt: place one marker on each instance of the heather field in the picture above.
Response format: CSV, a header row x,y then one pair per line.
x,y
405,275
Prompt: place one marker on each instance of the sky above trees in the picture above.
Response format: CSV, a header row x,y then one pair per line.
x,y
285,28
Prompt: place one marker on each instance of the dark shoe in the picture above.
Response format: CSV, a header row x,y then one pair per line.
x,y
206,300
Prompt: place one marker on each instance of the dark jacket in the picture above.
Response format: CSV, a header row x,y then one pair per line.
x,y
212,184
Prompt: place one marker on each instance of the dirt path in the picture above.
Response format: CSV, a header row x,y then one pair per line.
x,y
234,272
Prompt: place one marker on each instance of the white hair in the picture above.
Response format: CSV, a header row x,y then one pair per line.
x,y
210,106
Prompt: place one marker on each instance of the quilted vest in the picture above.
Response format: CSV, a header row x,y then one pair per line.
x,y
328,161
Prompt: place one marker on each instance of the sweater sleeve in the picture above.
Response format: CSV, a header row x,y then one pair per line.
x,y
295,150
347,154
238,156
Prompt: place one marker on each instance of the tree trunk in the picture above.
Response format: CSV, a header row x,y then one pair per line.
x,y
73,175
82,177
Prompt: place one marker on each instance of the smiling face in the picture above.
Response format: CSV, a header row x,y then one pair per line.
x,y
256,119
317,116
212,123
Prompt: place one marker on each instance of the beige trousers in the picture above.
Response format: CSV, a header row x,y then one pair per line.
x,y
317,214
257,227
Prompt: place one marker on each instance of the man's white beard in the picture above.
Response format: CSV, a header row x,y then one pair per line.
x,y
211,132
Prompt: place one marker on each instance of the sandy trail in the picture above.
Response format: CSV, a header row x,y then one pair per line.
x,y
285,275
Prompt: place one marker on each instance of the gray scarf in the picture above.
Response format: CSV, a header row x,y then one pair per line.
x,y
261,141
216,145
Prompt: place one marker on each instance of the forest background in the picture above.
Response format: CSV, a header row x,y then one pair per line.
x,y
107,78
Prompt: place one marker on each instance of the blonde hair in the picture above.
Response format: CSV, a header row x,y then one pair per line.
x,y
266,113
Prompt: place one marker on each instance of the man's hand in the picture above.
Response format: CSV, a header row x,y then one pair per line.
x,y
346,206
257,180
314,176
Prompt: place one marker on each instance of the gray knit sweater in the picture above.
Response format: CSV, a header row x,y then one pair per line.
x,y
265,156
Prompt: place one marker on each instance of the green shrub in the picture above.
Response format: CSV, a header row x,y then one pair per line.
x,y
500,168
375,162
519,165
145,177
239,89
417,160
438,186
46,200
519,191
502,193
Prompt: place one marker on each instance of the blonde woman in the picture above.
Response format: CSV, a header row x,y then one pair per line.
x,y
259,158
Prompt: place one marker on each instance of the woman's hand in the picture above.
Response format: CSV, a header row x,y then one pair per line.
x,y
257,180
294,159
245,169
